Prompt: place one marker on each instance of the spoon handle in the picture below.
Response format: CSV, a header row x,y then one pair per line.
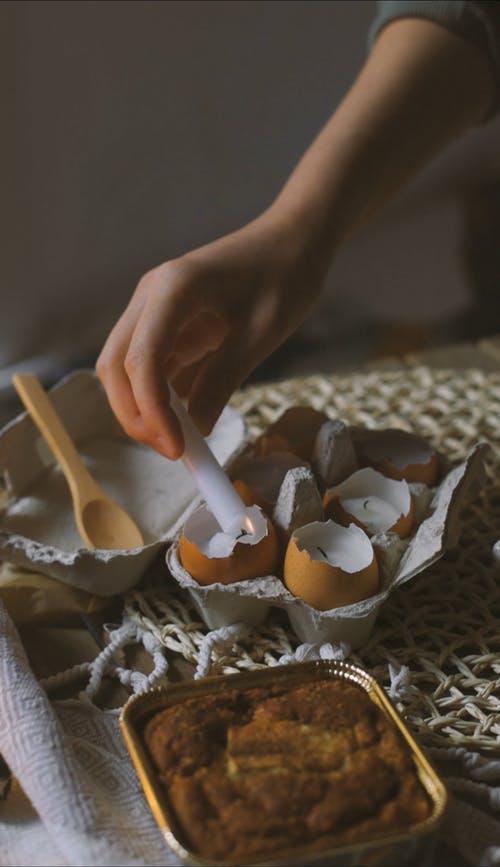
x,y
43,413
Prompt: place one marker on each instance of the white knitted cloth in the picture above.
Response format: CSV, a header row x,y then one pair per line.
x,y
76,799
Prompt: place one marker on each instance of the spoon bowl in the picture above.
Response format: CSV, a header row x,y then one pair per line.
x,y
101,522
104,520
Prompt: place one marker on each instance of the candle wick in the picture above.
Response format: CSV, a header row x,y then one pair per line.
x,y
242,533
365,503
322,552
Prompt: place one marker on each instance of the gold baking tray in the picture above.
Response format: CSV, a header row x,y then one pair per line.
x,y
412,846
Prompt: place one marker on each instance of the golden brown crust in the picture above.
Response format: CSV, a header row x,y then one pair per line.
x,y
250,772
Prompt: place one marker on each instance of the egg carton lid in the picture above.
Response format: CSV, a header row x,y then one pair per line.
x,y
37,526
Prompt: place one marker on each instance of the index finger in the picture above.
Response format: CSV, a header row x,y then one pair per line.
x,y
146,363
110,368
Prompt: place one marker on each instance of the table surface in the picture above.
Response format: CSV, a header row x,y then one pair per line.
x,y
52,649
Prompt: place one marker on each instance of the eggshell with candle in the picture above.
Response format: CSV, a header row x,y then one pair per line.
x,y
211,556
328,565
398,454
374,502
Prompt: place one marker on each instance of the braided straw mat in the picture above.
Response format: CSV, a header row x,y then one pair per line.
x,y
444,625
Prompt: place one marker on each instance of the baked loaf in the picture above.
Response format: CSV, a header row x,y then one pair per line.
x,y
249,772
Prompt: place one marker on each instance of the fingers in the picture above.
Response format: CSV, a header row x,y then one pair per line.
x,y
131,364
146,364
111,372
175,330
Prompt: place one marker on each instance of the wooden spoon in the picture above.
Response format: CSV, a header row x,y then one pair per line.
x,y
102,523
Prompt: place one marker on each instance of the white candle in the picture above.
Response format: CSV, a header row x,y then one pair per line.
x,y
220,495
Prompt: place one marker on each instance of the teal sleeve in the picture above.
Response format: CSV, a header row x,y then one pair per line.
x,y
478,22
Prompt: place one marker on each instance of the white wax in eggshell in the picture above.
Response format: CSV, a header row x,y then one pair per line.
x,y
347,548
219,545
376,514
372,498
202,529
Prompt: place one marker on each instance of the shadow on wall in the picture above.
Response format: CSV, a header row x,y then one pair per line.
x,y
140,130
443,288
482,257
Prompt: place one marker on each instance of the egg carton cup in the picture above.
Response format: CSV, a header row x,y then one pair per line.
x,y
37,525
437,521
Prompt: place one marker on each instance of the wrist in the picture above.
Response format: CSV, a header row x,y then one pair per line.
x,y
302,225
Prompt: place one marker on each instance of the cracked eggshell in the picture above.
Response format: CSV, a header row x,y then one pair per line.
x,y
328,566
322,443
373,502
249,496
263,476
210,555
295,431
398,454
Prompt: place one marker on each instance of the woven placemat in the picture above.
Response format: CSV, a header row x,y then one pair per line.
x,y
444,626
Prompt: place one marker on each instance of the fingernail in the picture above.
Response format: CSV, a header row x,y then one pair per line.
x,y
169,449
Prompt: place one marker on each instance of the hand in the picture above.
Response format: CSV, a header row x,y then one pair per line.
x,y
203,322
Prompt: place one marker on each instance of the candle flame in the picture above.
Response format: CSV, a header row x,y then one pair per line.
x,y
247,530
249,527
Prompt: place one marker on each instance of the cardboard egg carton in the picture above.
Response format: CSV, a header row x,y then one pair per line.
x,y
436,529
38,531
37,526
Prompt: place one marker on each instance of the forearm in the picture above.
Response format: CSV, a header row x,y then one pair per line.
x,y
207,319
420,88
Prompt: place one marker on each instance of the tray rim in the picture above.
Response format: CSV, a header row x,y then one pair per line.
x,y
140,706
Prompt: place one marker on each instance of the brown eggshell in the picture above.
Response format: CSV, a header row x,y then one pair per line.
x,y
263,475
268,443
398,454
246,561
298,426
425,473
250,497
324,586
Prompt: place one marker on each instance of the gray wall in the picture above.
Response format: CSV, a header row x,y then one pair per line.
x,y
133,131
